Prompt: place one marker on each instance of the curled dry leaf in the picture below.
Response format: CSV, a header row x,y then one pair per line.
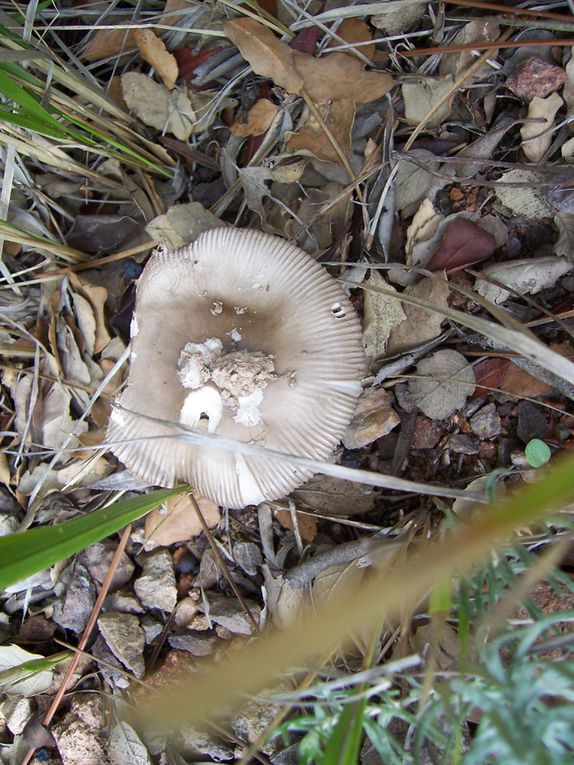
x,y
153,50
446,381
541,113
335,76
259,119
463,243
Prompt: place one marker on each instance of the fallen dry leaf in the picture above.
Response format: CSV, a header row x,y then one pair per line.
x,y
422,96
178,521
355,31
446,381
109,42
463,243
335,76
339,117
381,314
259,119
542,112
307,524
420,325
525,276
397,17
476,31
338,75
521,192
267,55
504,375
153,50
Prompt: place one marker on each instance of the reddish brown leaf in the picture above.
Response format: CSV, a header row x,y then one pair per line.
x,y
188,61
463,243
489,374
306,40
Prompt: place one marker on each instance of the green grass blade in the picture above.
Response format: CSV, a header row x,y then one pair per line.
x,y
22,555
344,742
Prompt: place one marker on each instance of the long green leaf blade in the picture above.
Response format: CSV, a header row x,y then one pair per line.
x,y
344,744
24,554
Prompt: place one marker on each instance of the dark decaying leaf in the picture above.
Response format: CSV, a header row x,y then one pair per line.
x,y
98,233
463,244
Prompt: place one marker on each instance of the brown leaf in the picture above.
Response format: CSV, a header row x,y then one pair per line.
x,y
307,524
339,75
259,118
335,76
339,117
503,375
109,42
355,31
267,55
179,521
462,244
153,50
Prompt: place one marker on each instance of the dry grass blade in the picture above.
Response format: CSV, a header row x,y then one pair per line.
x,y
214,693
520,342
222,564
366,477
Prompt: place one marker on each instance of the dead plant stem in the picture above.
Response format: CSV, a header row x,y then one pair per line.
x,y
85,637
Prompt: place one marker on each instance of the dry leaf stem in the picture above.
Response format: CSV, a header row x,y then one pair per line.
x,y
222,564
486,46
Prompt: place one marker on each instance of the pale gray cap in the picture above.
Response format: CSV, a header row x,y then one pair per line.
x,y
254,293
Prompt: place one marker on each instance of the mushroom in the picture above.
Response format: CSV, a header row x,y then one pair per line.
x,y
245,335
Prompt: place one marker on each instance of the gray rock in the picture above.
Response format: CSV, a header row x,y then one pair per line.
x,y
248,556
531,421
194,742
151,627
125,638
486,422
97,558
229,613
101,651
156,586
124,602
463,444
80,735
73,610
198,644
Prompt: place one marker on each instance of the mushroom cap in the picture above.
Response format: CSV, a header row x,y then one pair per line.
x,y
254,292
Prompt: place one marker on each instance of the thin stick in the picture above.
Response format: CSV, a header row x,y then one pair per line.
x,y
222,564
477,46
513,11
85,637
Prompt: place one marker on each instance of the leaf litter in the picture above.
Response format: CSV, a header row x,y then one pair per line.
x,y
308,125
